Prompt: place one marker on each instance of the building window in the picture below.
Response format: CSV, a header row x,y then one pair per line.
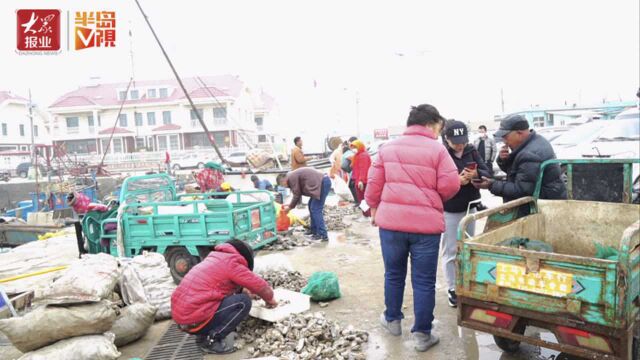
x,y
135,95
138,118
164,92
151,93
173,142
117,145
72,122
219,116
99,121
259,120
123,120
35,130
140,143
538,121
90,120
4,129
122,95
162,143
166,117
151,118
262,138
194,115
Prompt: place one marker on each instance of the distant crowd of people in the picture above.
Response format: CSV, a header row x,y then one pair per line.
x,y
416,191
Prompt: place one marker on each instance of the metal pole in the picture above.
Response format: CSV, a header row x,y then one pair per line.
x,y
33,148
186,93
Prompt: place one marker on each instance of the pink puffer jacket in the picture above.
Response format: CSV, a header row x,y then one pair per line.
x,y
410,180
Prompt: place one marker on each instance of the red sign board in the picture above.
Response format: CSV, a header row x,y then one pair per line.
x,y
38,30
381,133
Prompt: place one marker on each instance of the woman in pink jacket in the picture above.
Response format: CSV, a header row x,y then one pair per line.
x,y
408,183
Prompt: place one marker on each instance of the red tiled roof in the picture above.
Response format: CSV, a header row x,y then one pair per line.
x,y
167,127
107,94
7,95
117,130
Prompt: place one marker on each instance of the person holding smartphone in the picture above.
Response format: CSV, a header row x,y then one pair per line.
x,y
470,167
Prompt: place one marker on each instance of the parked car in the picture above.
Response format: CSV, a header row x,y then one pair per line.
x,y
186,161
22,170
581,134
237,158
553,132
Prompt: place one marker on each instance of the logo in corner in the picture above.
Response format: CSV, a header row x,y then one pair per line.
x,y
95,29
38,30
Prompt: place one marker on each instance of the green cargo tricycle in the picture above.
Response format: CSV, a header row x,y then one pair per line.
x,y
590,303
150,216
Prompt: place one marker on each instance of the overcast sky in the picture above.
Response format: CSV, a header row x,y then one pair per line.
x,y
456,55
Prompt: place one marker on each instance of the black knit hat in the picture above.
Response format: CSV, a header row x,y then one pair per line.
x,y
245,250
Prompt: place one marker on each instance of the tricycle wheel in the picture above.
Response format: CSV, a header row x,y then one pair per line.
x,y
180,262
507,345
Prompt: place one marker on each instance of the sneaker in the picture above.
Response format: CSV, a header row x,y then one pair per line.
x,y
219,347
394,327
453,298
424,341
309,233
320,237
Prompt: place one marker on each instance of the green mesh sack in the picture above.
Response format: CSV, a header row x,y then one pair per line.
x,y
606,252
527,244
322,286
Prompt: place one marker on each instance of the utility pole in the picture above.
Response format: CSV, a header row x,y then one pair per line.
x,y
33,147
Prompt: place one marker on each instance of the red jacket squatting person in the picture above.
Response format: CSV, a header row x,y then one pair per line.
x,y
210,302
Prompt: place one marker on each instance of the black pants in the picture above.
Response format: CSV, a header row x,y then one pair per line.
x,y
352,187
233,309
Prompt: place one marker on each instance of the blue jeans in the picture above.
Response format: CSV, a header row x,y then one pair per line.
x,y
232,310
316,208
423,249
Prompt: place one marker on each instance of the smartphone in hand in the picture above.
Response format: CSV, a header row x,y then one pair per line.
x,y
476,181
471,165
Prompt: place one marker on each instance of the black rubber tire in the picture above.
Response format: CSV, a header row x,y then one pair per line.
x,y
200,166
507,345
564,356
23,174
180,261
176,167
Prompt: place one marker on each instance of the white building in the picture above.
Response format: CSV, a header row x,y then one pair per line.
x,y
15,130
156,116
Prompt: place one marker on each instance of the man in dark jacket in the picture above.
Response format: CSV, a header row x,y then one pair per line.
x,y
470,166
522,165
309,182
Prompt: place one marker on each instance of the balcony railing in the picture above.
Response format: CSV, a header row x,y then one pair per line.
x,y
73,130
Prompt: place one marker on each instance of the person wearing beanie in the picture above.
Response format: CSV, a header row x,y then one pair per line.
x,y
210,301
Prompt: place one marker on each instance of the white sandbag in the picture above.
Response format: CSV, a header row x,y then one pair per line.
x,y
94,347
341,189
48,324
153,271
90,279
271,262
132,323
130,284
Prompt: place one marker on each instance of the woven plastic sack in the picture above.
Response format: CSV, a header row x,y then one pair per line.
x,y
154,273
48,324
131,287
132,323
341,189
322,286
94,347
527,244
92,278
